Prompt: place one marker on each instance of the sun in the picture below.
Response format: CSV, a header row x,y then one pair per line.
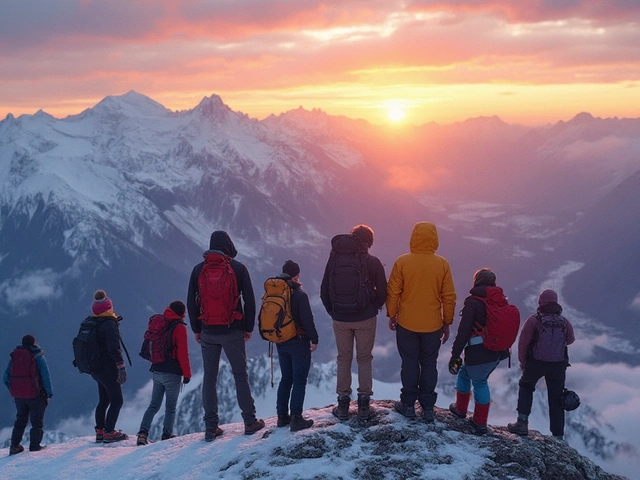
x,y
395,113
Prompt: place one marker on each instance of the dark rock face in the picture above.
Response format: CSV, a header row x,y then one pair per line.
x,y
393,447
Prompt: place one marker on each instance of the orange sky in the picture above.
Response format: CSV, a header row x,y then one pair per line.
x,y
529,62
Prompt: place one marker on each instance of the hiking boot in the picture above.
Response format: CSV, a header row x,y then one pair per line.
x,y
428,416
143,439
298,422
211,435
36,448
521,427
459,408
408,411
364,409
479,419
15,449
99,435
342,409
167,436
258,424
283,420
115,436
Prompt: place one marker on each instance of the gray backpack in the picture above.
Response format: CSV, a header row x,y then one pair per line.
x,y
551,340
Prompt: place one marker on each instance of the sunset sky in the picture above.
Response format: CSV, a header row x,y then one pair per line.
x,y
527,61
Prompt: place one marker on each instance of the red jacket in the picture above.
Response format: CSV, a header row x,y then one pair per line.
x,y
180,352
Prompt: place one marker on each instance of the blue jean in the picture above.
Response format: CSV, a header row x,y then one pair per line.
x,y
295,362
234,347
168,383
419,373
478,375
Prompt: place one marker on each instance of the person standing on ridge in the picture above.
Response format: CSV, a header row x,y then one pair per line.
x,y
111,372
294,356
421,301
479,361
29,382
168,374
353,290
543,352
220,322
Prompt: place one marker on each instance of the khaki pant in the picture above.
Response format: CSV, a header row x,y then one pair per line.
x,y
364,333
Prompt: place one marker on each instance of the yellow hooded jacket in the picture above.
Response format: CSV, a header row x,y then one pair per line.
x,y
420,292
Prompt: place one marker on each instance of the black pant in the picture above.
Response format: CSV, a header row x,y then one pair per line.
x,y
32,408
554,375
419,375
110,393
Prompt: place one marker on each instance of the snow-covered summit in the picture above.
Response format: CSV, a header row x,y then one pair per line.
x,y
387,446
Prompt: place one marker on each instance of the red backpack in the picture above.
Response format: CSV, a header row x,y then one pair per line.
x,y
24,375
158,343
503,321
218,291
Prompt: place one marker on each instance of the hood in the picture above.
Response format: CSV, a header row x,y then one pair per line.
x,y
32,348
171,315
424,238
220,240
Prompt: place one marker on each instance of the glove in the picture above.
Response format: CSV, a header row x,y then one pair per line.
x,y
186,380
122,375
454,365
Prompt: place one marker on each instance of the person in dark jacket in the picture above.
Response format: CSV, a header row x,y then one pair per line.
x,y
549,360
168,376
479,362
29,382
294,355
360,327
112,372
230,338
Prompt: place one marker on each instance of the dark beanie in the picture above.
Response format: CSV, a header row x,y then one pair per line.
x,y
484,277
548,296
291,268
28,341
178,308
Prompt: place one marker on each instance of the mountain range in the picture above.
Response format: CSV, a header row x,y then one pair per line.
x,y
124,196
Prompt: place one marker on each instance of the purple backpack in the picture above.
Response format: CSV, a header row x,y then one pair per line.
x,y
551,340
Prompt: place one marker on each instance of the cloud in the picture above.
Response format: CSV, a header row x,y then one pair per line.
x,y
33,287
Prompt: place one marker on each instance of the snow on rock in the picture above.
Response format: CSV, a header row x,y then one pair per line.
x,y
385,446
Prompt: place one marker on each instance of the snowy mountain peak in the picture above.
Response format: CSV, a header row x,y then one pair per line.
x,y
131,104
213,108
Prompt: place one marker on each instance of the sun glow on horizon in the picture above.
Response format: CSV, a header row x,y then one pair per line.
x,y
396,111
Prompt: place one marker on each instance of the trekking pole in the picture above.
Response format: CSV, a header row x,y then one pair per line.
x,y
271,357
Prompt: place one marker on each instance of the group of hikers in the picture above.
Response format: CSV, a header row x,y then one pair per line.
x,y
420,301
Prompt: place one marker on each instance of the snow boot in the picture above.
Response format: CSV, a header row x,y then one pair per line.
x,y
15,449
211,435
252,428
143,439
459,408
342,409
298,422
99,435
115,436
405,409
521,427
364,407
283,420
167,436
479,419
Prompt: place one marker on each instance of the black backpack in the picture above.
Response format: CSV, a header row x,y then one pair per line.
x,y
350,288
86,351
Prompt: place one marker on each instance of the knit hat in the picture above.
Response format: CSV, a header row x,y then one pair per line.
x,y
548,296
178,308
291,268
28,341
484,277
101,303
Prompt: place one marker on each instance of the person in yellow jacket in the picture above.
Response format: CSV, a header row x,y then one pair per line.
x,y
421,301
